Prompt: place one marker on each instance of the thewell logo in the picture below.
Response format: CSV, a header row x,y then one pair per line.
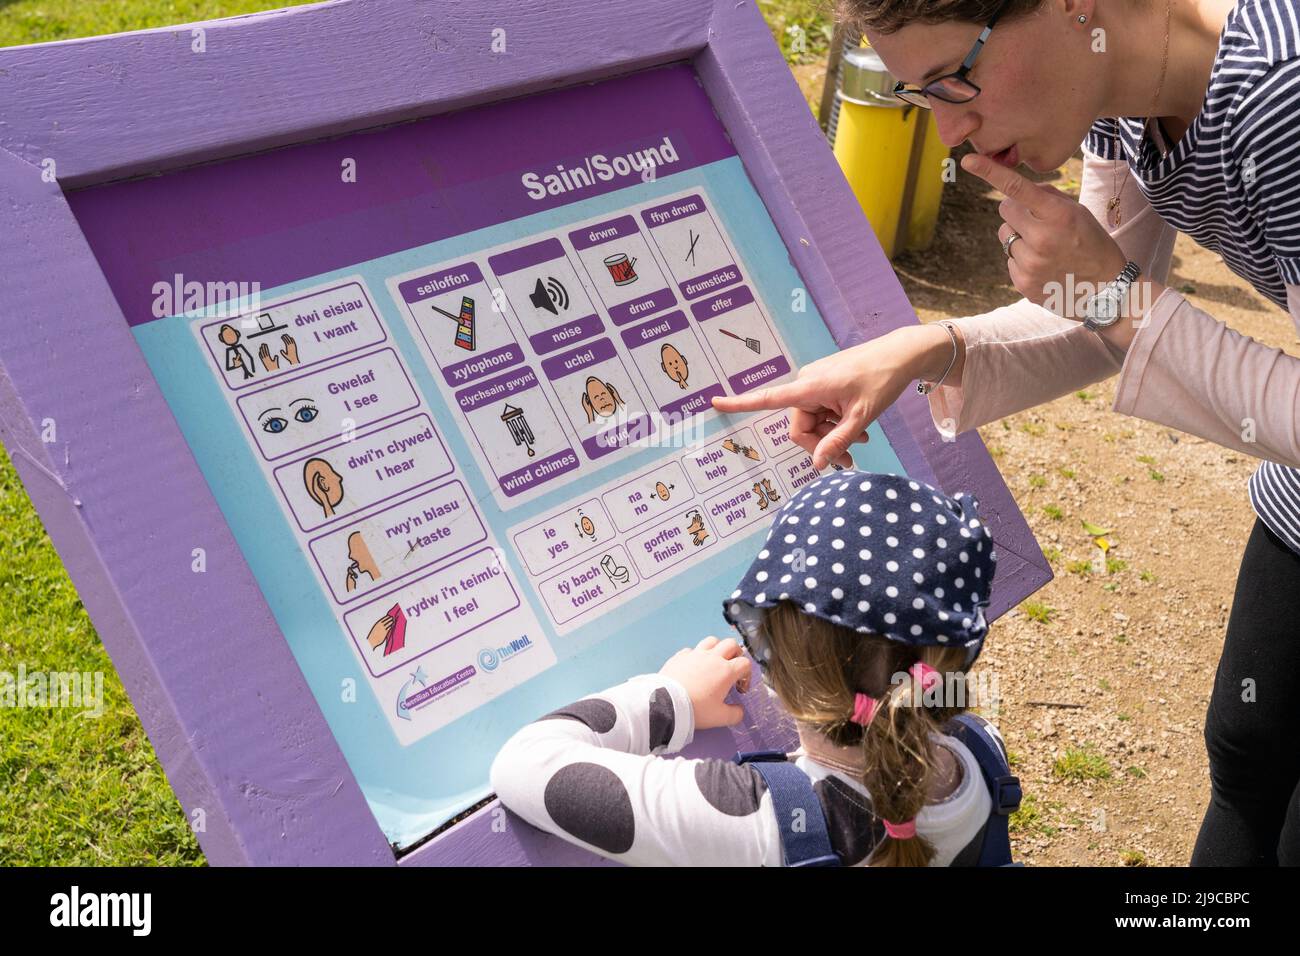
x,y
490,658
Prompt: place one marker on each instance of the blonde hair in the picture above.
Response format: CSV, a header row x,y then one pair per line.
x,y
817,667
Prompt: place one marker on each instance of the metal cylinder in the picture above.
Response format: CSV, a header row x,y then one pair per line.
x,y
861,78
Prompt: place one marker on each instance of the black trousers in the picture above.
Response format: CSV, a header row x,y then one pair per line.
x,y
1252,727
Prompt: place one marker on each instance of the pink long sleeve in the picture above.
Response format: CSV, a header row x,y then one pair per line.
x,y
1188,370
1022,355
1184,368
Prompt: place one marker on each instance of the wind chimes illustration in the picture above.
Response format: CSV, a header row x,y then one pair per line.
x,y
520,430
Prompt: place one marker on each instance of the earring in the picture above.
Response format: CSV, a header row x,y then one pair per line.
x,y
1082,18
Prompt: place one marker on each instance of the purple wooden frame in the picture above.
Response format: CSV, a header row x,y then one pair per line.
x,y
120,493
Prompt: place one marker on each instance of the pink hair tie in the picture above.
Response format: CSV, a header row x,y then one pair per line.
x,y
864,708
901,831
925,675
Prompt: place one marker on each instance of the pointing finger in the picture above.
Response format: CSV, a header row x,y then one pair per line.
x,y
774,396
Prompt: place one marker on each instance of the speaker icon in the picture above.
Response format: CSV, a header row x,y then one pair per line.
x,y
549,295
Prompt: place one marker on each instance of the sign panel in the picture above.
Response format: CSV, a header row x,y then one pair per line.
x,y
457,411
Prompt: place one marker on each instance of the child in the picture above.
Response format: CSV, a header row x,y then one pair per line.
x,y
868,595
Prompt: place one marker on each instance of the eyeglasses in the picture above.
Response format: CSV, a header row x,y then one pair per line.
x,y
951,87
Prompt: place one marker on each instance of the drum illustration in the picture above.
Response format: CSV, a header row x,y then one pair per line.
x,y
621,268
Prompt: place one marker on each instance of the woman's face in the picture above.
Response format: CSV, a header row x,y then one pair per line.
x,y
1039,80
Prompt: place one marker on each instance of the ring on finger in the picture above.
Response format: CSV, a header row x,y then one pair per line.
x,y
1006,243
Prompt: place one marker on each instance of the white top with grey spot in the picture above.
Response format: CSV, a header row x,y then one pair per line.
x,y
593,773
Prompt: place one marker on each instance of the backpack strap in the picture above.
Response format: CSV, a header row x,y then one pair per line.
x,y
1004,786
791,791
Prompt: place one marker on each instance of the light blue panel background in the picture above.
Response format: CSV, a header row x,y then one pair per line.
x,y
413,790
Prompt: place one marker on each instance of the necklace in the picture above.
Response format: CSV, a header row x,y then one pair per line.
x,y
1118,183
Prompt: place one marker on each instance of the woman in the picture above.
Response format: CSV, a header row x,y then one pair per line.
x,y
1206,142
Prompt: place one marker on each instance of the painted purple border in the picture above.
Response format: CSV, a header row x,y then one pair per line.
x,y
259,758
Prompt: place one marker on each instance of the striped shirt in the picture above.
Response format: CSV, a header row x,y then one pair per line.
x,y
1232,183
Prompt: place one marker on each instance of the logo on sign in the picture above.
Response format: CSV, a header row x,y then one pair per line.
x,y
490,658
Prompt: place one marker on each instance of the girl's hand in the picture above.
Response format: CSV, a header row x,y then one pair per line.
x,y
1063,254
708,671
835,399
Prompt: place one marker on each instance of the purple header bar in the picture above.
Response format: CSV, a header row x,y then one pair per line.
x,y
756,376
721,303
441,282
664,325
672,211
516,260
502,386
602,232
566,363
272,218
625,312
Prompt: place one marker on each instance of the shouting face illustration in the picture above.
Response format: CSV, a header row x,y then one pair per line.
x,y
600,398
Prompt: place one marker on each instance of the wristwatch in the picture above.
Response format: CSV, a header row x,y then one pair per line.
x,y
1102,309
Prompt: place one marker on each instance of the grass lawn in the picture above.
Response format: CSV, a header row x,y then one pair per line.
x,y
83,790
74,788
77,789
40,21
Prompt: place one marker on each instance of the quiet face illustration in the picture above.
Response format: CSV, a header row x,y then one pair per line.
x,y
600,398
674,364
324,484
228,335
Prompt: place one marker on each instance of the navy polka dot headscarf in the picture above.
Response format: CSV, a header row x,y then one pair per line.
x,y
877,553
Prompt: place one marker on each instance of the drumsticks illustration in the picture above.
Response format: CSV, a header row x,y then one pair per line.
x,y
751,344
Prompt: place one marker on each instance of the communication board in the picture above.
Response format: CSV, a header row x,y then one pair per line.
x,y
479,474
358,361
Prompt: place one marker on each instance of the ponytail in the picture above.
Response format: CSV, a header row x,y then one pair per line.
x,y
901,755
815,669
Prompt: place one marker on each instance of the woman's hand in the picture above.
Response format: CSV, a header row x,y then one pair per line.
x,y
1063,254
708,671
835,399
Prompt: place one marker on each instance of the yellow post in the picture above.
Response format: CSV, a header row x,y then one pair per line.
x,y
873,140
890,153
929,187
